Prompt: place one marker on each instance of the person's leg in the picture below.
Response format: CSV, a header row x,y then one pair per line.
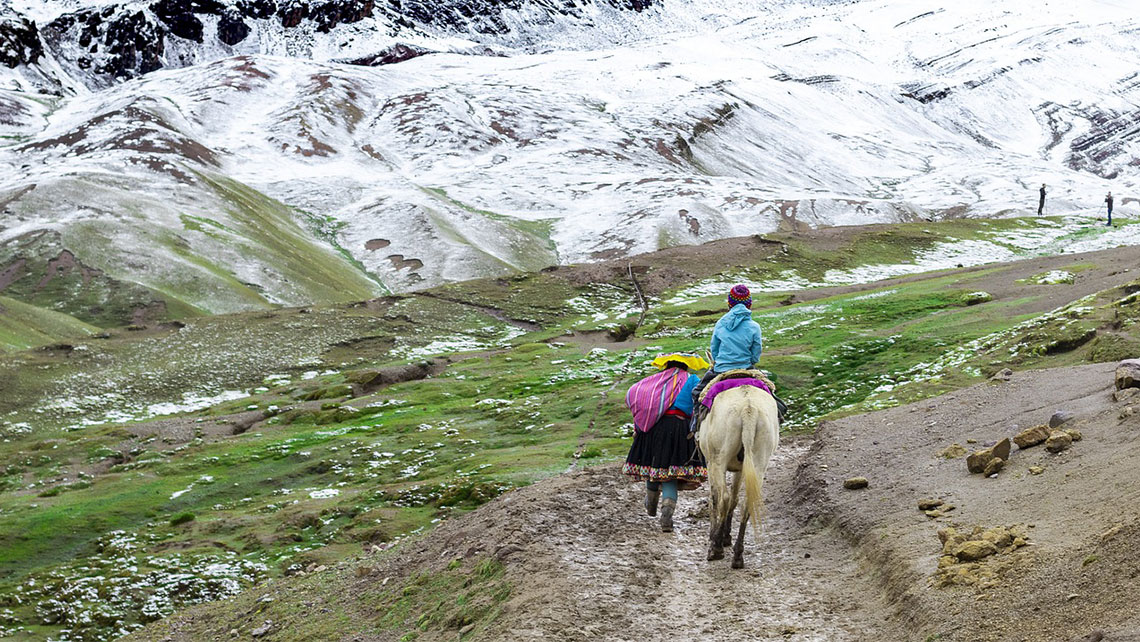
x,y
652,494
668,505
700,387
698,409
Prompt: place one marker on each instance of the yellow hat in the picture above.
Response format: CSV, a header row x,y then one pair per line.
x,y
694,362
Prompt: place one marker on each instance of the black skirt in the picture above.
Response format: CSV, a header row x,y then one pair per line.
x,y
665,453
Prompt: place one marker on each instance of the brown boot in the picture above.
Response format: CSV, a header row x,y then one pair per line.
x,y
666,519
651,497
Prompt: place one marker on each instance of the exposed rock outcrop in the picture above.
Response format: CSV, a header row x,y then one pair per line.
x,y
19,42
1128,374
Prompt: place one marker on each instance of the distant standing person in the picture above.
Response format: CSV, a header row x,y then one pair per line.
x,y
1108,202
1041,203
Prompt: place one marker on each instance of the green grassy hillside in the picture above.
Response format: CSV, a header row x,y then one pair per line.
x,y
25,326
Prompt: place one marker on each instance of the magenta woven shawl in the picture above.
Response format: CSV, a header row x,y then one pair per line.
x,y
729,384
649,398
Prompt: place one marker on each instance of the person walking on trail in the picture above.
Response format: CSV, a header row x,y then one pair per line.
x,y
662,455
1041,203
1108,202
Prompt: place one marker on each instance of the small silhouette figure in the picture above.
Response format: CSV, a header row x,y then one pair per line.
x,y
1108,202
1041,203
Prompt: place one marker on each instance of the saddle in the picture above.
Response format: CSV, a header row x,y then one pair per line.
x,y
742,373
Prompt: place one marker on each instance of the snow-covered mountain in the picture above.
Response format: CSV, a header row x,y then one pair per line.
x,y
227,175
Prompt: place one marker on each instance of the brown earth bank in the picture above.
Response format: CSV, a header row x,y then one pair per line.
x,y
575,558
1078,509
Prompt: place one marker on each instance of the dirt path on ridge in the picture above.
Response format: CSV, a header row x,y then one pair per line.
x,y
620,578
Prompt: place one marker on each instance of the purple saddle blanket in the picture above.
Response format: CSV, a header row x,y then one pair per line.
x,y
729,384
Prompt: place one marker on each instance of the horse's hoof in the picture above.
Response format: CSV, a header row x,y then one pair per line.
x,y
715,555
738,562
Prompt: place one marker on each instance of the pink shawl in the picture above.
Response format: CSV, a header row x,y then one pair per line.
x,y
649,398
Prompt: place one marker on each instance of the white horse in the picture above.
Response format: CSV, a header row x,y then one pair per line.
x,y
743,417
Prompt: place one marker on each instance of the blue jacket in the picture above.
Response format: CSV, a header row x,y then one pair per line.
x,y
684,401
736,340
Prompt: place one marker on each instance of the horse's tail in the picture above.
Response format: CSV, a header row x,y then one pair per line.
x,y
751,421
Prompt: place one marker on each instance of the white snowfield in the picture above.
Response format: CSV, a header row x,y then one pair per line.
x,y
611,142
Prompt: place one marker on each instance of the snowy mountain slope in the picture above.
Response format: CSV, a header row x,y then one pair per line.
x,y
451,166
97,42
136,200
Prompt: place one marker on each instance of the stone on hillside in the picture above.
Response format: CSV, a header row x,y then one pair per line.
x,y
1074,433
1001,449
994,466
950,538
1125,395
974,550
974,298
1060,417
953,451
1127,411
1128,374
1058,441
1036,470
1031,436
855,483
929,504
328,392
1005,374
978,461
262,630
999,536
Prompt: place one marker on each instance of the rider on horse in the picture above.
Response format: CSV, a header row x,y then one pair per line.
x,y
736,343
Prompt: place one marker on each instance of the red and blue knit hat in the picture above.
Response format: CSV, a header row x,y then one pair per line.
x,y
740,294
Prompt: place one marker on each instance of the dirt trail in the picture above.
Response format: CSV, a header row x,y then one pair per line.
x,y
620,578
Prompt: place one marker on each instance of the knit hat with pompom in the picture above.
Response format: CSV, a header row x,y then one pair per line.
x,y
740,294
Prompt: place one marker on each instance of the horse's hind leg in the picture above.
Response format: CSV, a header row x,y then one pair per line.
x,y
716,500
716,548
726,525
738,547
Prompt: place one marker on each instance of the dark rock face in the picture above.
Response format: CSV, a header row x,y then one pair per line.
x,y
330,14
231,28
122,42
135,45
257,9
389,56
127,43
19,42
292,12
185,25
